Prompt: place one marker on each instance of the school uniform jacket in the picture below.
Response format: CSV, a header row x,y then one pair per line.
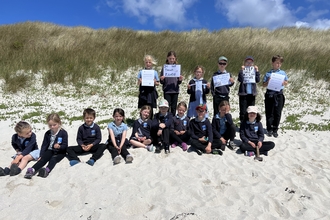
x,y
199,129
143,128
242,86
216,124
179,124
192,90
220,90
251,132
28,145
89,135
167,120
46,142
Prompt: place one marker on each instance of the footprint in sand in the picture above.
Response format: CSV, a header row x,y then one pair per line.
x,y
54,204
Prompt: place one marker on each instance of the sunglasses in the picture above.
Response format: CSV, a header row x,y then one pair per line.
x,y
222,64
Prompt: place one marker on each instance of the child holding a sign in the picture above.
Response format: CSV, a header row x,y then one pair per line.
x,y
220,83
53,148
197,88
274,80
171,78
147,81
248,76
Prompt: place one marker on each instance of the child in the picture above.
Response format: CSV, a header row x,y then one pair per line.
x,y
25,144
162,123
247,90
53,148
88,139
179,132
220,92
197,88
223,127
274,101
201,133
252,134
118,143
148,94
141,133
171,84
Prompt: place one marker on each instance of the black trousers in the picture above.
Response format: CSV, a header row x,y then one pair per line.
x,y
244,102
266,146
179,138
97,151
216,144
273,107
50,157
172,99
114,152
216,102
164,138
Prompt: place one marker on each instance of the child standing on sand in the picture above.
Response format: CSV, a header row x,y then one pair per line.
x,y
141,133
197,88
171,84
53,148
25,144
252,134
117,142
179,133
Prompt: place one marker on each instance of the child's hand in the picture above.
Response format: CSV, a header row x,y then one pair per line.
x,y
259,144
243,67
252,144
189,86
162,77
227,109
208,85
162,125
182,132
231,80
208,149
57,146
256,68
223,140
159,132
181,78
202,139
177,132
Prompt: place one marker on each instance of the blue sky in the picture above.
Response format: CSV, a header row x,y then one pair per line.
x,y
176,15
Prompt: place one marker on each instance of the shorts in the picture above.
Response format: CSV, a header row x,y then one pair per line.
x,y
35,154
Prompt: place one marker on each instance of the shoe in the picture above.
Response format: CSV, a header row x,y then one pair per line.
x,y
167,149
129,159
217,151
184,146
223,147
232,145
199,152
74,162
157,151
174,144
269,133
43,172
275,134
2,172
150,147
29,173
14,170
249,153
90,162
116,160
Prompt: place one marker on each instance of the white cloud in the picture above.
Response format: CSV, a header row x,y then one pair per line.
x,y
163,13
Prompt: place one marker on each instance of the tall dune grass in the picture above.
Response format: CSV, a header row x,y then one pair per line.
x,y
76,53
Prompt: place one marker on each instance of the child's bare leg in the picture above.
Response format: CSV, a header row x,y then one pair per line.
x,y
147,142
137,144
25,161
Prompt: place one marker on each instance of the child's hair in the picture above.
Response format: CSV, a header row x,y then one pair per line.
x,y
170,54
54,117
149,57
277,57
119,111
223,103
89,111
199,67
183,104
246,117
144,108
20,126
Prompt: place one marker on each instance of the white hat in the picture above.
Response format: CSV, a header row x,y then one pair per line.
x,y
252,109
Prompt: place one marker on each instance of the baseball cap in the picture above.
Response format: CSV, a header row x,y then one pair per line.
x,y
249,58
201,107
163,103
252,109
223,58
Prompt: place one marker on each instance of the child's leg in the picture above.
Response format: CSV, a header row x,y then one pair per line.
x,y
97,151
174,103
74,151
246,147
266,146
47,155
198,145
175,138
250,100
113,151
242,106
55,159
269,106
278,112
138,144
24,161
124,152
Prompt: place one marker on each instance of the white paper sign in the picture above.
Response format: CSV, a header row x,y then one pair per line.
x,y
221,80
172,70
148,77
249,75
276,82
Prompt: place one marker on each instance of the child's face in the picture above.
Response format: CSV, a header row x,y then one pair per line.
x,y
223,110
148,64
171,59
145,114
276,64
252,116
53,126
181,110
199,73
201,113
248,63
118,118
26,133
89,119
163,110
222,64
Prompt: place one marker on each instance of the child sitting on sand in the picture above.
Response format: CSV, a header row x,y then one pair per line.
x,y
179,133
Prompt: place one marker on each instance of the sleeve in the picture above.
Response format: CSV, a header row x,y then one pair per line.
x,y
30,145
231,84
240,76
209,130
212,86
169,122
257,76
206,90
242,133
80,136
261,134
139,76
14,143
156,76
192,130
267,75
98,137
64,135
229,119
135,128
45,142
161,74
215,129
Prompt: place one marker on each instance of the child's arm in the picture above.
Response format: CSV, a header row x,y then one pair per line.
x,y
123,138
80,136
64,135
112,137
31,145
98,137
207,87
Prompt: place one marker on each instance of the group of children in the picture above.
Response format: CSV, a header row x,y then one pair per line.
x,y
169,128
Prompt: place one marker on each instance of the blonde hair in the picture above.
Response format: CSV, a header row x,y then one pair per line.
x,y
151,58
20,126
54,117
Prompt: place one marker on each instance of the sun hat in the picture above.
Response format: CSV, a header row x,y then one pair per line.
x,y
252,109
201,107
163,103
249,58
223,58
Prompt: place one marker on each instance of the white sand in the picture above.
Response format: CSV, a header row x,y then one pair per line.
x,y
291,183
